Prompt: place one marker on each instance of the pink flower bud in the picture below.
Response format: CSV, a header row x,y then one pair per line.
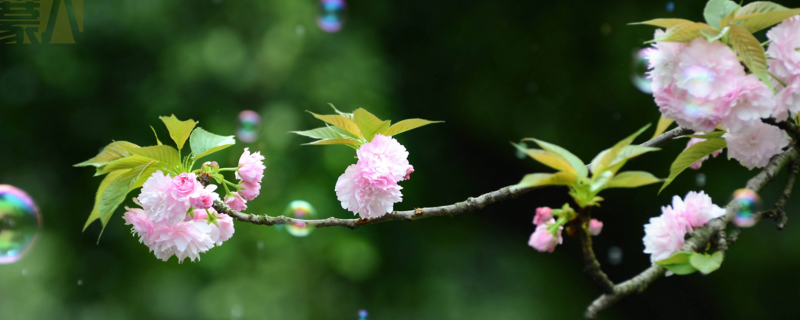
x,y
250,190
543,214
236,202
251,167
408,172
595,226
542,240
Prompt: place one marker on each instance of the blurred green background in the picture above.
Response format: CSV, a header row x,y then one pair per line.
x,y
495,71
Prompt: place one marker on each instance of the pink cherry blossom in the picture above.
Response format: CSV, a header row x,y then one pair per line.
x,y
142,226
185,240
665,234
750,101
203,198
236,202
409,171
696,209
788,99
663,59
219,232
543,215
753,148
694,141
184,185
251,167
784,59
542,240
250,190
158,201
698,114
369,187
595,227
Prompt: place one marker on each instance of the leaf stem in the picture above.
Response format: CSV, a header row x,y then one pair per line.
x,y
231,184
766,43
228,169
776,79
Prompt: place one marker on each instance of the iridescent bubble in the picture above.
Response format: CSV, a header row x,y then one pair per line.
x,y
332,14
19,224
670,6
639,72
749,203
249,123
700,179
614,255
301,210
362,314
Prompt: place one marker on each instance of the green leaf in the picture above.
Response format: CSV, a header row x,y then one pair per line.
x,y
710,135
691,155
204,143
116,191
706,264
320,133
369,124
632,179
343,141
550,159
758,22
545,179
629,152
661,127
573,160
163,153
343,114
114,151
124,163
408,124
712,34
340,121
678,263
717,10
759,7
94,215
179,131
682,33
609,157
156,134
664,23
750,51
600,180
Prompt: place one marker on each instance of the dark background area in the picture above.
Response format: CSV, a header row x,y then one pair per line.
x,y
494,71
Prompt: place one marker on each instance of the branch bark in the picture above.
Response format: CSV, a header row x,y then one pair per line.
x,y
699,238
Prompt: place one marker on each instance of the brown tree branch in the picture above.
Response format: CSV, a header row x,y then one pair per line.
x,y
699,238
777,212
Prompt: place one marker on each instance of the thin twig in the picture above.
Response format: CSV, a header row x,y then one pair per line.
x,y
778,212
699,239
787,126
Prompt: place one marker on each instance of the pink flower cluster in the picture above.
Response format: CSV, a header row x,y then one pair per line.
x,y
369,188
664,235
703,85
250,173
164,225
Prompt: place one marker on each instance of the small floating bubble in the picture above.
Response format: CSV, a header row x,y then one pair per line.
x,y
362,314
614,255
80,282
300,209
19,224
249,122
749,203
670,6
639,72
332,14
700,179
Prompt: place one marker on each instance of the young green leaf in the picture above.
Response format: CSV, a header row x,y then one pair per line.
x,y
179,131
405,125
369,124
599,180
609,157
750,51
124,163
573,160
545,179
343,141
712,34
632,179
717,10
320,133
691,155
758,22
682,33
661,127
204,143
339,121
343,114
94,215
163,153
156,134
678,263
706,264
759,7
116,191
550,159
710,135
114,151
664,23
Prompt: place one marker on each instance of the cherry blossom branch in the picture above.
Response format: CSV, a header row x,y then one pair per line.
x,y
777,212
787,126
471,204
700,237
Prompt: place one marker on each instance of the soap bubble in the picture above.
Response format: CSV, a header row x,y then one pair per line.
x,y
19,223
749,203
362,314
700,179
331,15
614,255
249,122
300,209
639,72
670,6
